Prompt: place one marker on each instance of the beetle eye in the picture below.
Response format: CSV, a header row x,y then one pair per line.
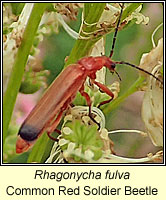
x,y
113,66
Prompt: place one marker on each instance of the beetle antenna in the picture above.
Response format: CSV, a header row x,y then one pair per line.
x,y
116,31
134,66
118,75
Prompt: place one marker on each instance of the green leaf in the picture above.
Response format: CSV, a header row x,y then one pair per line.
x,y
41,149
17,8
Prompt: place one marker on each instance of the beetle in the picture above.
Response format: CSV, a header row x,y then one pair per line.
x,y
48,112
54,103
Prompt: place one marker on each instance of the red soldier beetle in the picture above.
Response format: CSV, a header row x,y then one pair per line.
x,y
48,112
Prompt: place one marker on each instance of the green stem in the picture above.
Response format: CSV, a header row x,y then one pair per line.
x,y
19,64
120,99
82,47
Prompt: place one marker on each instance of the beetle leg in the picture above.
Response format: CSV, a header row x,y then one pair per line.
x,y
72,105
53,126
106,90
55,123
89,103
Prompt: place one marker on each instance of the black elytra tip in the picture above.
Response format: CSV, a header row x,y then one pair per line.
x,y
29,133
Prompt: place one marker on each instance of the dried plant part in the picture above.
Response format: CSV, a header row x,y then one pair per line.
x,y
153,58
13,40
152,107
110,16
139,17
13,37
70,10
112,13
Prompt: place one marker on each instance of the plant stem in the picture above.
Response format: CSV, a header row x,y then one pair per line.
x,y
120,99
82,47
19,64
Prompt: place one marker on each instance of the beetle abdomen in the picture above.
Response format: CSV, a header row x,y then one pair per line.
x,y
29,133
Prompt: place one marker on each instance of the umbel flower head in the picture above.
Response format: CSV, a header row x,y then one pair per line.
x,y
82,142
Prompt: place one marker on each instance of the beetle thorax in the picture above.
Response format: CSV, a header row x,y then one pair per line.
x,y
93,64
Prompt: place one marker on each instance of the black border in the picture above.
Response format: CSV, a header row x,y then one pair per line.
x,y
75,164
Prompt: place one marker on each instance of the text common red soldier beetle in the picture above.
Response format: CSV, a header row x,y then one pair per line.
x,y
48,112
